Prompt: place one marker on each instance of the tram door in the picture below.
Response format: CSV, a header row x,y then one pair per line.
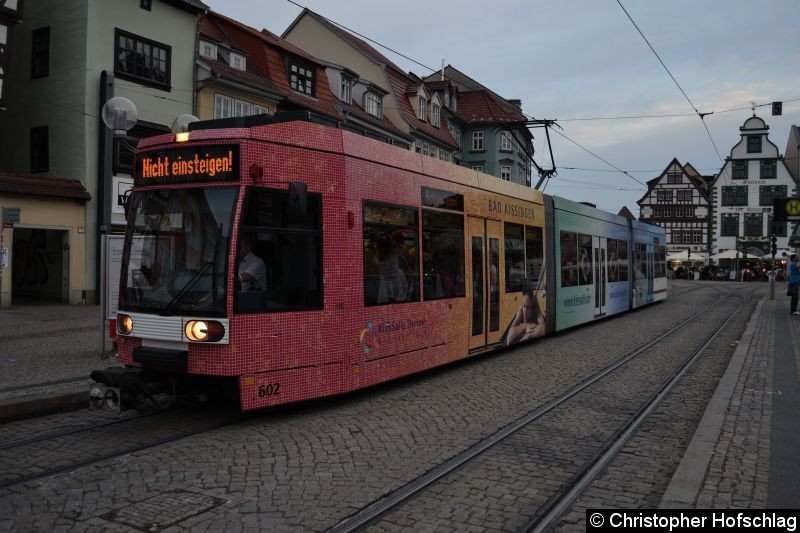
x,y
484,238
600,245
651,270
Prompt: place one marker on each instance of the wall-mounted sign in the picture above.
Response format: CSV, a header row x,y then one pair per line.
x,y
11,215
187,164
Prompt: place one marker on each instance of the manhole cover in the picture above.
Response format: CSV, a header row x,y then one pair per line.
x,y
163,510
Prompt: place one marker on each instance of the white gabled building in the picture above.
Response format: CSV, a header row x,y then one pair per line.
x,y
678,202
742,193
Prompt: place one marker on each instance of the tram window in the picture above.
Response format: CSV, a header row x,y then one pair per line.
x,y
289,244
585,262
515,256
661,261
442,255
613,261
569,259
534,255
622,260
391,262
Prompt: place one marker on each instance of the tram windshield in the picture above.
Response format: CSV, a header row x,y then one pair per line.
x,y
176,252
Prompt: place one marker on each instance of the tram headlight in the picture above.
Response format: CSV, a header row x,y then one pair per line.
x,y
204,331
124,324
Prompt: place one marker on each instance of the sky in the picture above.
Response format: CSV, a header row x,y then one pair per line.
x,y
583,62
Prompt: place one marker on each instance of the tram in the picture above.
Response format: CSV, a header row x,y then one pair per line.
x,y
284,259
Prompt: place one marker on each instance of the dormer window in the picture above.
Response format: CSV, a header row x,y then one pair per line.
x,y
238,61
422,112
436,115
208,50
373,104
301,77
345,93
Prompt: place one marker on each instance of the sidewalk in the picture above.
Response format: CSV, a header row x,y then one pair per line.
x,y
745,453
47,352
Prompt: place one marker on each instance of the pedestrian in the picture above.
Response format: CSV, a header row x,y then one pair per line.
x,y
793,282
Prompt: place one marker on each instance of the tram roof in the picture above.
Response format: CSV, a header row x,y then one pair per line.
x,y
310,130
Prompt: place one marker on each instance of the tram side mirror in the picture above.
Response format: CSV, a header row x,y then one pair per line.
x,y
125,201
298,199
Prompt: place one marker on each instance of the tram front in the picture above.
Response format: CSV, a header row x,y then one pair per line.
x,y
174,276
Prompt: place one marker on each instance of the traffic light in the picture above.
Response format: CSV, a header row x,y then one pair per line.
x,y
777,108
774,246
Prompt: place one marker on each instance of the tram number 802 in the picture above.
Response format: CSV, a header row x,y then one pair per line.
x,y
269,389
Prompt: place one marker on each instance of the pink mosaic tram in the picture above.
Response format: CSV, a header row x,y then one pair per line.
x,y
374,263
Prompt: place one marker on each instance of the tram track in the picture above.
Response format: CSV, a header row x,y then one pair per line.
x,y
392,502
22,461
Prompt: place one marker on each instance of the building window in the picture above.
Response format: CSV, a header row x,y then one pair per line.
x,y
477,140
147,5
40,149
753,144
436,115
768,169
344,89
142,60
768,193
422,108
777,229
222,106
301,77
664,196
40,52
505,141
674,177
740,170
697,237
457,136
208,50
753,224
667,212
373,104
479,168
734,195
729,225
238,61
685,195
259,110
505,172
444,155
240,108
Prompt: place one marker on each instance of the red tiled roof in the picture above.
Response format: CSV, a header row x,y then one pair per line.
x,y
41,186
399,82
354,109
625,212
265,65
479,107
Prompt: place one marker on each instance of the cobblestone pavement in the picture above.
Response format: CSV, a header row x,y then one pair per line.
x,y
48,343
307,467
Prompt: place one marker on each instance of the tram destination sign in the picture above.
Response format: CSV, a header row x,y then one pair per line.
x,y
189,164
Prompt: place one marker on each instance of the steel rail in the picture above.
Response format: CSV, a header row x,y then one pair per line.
x,y
380,507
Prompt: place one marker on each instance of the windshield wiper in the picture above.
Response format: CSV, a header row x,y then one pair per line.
x,y
185,290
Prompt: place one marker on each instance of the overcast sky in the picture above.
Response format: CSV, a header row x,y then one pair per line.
x,y
584,59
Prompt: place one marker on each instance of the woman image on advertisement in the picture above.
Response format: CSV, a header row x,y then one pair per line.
x,y
529,321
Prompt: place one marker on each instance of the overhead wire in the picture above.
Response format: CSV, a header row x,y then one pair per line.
x,y
699,114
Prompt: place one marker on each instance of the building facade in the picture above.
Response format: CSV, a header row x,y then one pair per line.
x,y
792,152
491,131
67,62
403,98
677,200
742,194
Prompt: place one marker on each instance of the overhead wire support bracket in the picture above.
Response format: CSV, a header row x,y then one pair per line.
x,y
543,173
